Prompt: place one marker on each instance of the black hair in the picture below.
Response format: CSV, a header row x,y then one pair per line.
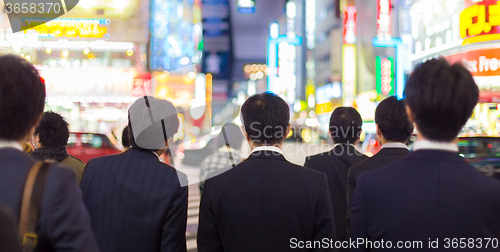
x,y
233,136
154,121
345,125
22,97
441,98
52,130
125,139
265,117
392,120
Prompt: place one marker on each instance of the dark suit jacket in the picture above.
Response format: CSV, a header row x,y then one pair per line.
x,y
136,203
430,194
335,164
384,157
9,239
261,204
64,223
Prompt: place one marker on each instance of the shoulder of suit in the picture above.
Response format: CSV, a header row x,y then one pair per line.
x,y
319,155
75,159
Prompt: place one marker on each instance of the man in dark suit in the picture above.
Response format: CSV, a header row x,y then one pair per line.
x,y
265,203
135,201
433,195
9,239
63,221
345,128
393,130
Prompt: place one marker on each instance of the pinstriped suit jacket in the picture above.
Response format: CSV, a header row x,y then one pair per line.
x,y
136,203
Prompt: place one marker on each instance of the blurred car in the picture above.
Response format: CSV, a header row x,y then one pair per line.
x,y
303,141
199,150
86,146
483,153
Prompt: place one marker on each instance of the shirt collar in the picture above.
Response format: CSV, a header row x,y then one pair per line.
x,y
432,145
267,148
395,145
10,144
156,154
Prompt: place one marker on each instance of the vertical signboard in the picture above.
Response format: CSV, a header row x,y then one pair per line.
x,y
217,44
384,74
384,20
350,25
348,74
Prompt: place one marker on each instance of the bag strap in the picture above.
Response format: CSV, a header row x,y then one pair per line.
x,y
31,203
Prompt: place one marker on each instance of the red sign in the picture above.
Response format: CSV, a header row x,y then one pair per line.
x,y
384,19
142,85
483,62
480,21
350,25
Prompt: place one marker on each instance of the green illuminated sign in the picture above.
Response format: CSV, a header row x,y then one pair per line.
x,y
384,74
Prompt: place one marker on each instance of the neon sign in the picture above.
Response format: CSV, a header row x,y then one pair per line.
x,y
480,22
70,28
384,19
384,69
348,74
350,25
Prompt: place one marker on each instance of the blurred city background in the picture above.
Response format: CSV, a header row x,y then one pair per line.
x,y
208,56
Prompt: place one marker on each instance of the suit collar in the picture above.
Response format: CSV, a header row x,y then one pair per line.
x,y
266,155
393,151
438,155
12,153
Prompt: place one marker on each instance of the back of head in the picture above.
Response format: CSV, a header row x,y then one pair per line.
x,y
52,130
230,134
151,122
441,98
22,97
125,139
265,118
345,125
392,120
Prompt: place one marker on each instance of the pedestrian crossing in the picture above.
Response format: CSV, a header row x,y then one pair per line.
x,y
192,220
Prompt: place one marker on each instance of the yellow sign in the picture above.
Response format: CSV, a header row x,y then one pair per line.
x,y
483,29
324,108
70,28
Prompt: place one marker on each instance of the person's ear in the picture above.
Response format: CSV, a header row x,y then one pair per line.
x,y
410,114
31,132
288,129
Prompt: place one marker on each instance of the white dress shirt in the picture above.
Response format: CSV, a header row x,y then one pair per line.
x,y
431,145
395,145
267,148
10,144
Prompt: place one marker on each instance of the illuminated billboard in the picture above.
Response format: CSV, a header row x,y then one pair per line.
x,y
176,34
480,21
384,71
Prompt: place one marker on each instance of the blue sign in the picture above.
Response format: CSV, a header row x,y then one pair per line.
x,y
172,36
246,6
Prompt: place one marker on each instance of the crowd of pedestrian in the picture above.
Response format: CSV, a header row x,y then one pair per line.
x,y
51,201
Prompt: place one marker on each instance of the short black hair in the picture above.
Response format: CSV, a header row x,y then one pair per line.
x,y
22,97
345,125
441,98
265,117
151,122
125,139
52,130
392,120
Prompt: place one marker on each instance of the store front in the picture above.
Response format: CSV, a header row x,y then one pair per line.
x,y
467,32
91,65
